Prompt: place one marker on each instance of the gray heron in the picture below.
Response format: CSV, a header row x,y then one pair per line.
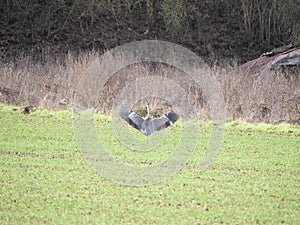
x,y
148,125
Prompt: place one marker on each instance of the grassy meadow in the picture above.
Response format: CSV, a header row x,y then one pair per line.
x,y
255,178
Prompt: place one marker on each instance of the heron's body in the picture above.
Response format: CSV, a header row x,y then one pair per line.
x,y
147,126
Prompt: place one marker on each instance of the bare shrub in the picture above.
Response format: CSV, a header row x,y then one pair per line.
x,y
134,72
271,21
49,84
53,83
271,97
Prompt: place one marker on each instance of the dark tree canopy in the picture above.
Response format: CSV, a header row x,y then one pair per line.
x,y
214,28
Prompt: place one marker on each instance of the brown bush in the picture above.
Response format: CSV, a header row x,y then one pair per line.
x,y
48,84
134,72
270,97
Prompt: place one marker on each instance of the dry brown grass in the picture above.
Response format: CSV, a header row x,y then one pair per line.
x,y
271,97
48,84
135,72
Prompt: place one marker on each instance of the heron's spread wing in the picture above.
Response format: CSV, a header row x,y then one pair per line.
x,y
147,126
161,122
172,116
135,120
165,120
123,113
131,117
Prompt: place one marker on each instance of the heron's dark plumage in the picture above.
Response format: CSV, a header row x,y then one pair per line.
x,y
147,126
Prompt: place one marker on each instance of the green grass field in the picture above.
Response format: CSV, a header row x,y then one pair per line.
x,y
44,179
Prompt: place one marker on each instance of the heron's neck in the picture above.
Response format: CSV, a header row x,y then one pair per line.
x,y
148,111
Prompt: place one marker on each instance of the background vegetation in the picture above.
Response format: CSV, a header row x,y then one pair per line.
x,y
239,29
46,47
271,97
